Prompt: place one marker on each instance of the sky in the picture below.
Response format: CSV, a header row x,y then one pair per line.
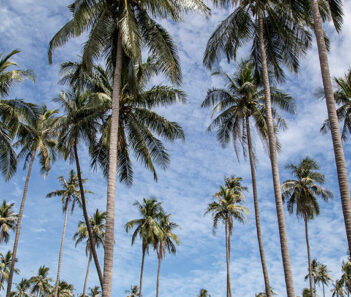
x,y
197,169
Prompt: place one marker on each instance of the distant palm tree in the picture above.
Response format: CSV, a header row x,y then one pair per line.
x,y
69,194
306,293
301,196
346,276
98,227
5,264
167,241
323,277
228,207
35,138
338,289
314,268
22,288
263,294
146,228
41,283
65,289
94,292
204,293
8,220
133,291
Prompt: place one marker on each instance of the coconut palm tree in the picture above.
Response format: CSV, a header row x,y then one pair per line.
x,y
301,196
22,288
133,291
147,228
41,283
242,101
65,289
338,289
228,208
314,268
98,225
37,138
117,31
167,242
8,219
70,196
346,276
94,292
5,264
204,293
323,277
11,111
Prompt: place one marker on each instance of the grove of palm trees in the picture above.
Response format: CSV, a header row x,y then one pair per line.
x,y
175,148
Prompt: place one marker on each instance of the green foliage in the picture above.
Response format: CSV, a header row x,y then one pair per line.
x,y
8,221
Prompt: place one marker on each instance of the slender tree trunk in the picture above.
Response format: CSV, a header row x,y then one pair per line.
x,y
61,249
275,169
86,217
112,171
141,272
308,257
229,287
323,290
333,120
18,227
257,212
158,271
86,276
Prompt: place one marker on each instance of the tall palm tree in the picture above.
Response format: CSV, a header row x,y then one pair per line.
x,y
334,8
22,288
98,225
11,111
338,289
5,263
204,293
8,219
35,138
167,241
133,291
323,276
234,106
117,30
41,283
228,207
147,228
278,38
70,196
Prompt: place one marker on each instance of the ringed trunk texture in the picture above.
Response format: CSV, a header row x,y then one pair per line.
x,y
229,287
86,276
86,217
112,171
18,227
141,272
257,212
61,249
309,258
158,272
275,169
333,120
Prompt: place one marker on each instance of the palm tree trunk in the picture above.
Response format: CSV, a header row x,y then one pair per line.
x,y
333,121
275,169
142,271
308,257
257,213
86,276
112,171
86,216
61,249
18,227
229,289
323,290
158,271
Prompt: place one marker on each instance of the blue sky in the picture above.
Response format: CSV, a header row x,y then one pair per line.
x,y
197,168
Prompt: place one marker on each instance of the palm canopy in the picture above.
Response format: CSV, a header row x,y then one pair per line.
x,y
65,289
338,289
22,288
94,292
241,99
169,239
8,221
5,263
41,283
323,277
302,193
204,293
133,291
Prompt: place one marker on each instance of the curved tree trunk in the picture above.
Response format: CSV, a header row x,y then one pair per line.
x,y
257,213
112,171
227,241
158,271
333,121
309,257
86,216
86,276
275,169
18,227
61,249
142,271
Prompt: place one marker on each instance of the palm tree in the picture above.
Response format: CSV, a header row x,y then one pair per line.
x,y
263,294
65,289
117,30
22,288
69,194
301,196
229,207
98,225
314,268
234,106
277,39
8,220
41,283
133,291
204,293
323,277
346,276
146,228
167,241
5,263
35,138
306,293
11,112
94,292
338,289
